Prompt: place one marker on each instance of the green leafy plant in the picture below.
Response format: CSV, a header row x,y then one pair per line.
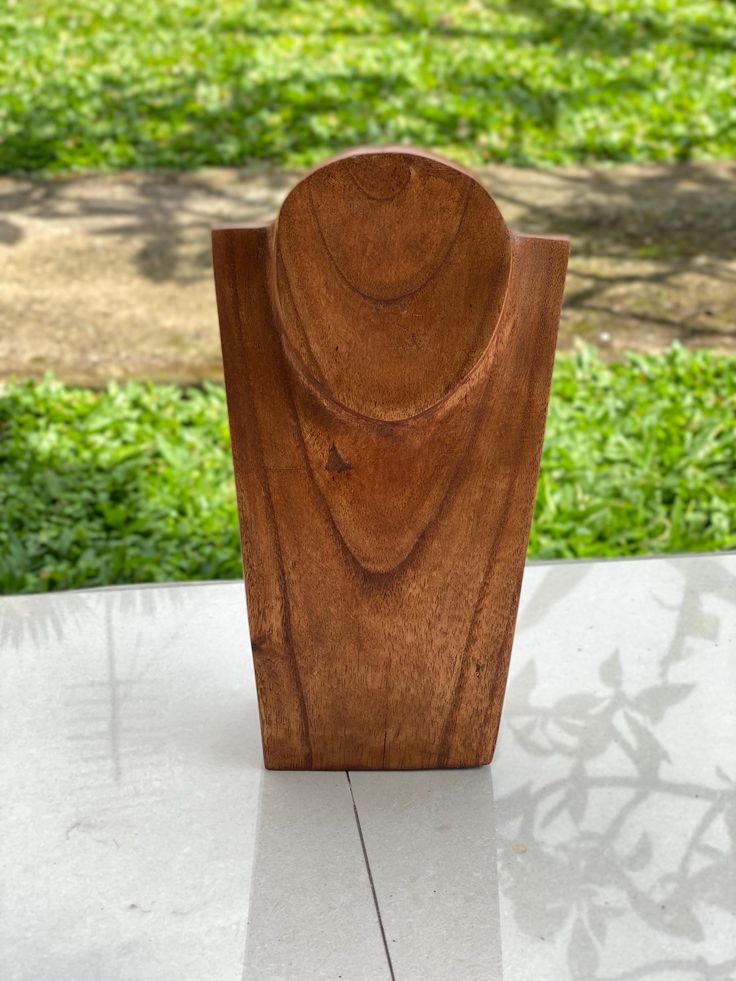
x,y
639,457
134,483
111,84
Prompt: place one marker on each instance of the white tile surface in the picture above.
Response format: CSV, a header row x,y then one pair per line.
x,y
139,832
311,910
614,774
430,838
141,839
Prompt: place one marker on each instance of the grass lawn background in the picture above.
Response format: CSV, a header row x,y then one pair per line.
x,y
134,484
110,84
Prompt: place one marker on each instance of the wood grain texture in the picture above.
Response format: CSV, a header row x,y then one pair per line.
x,y
388,348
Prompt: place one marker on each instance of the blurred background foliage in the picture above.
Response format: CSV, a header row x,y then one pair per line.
x,y
134,484
109,84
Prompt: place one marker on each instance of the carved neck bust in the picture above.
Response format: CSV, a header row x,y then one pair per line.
x,y
388,347
389,274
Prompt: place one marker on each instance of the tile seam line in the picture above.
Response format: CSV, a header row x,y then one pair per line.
x,y
370,878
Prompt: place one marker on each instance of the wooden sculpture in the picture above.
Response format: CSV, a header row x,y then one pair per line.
x,y
388,347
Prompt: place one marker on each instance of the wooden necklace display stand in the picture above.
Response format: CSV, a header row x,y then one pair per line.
x,y
388,347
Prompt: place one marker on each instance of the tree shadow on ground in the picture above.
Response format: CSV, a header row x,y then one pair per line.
x,y
611,767
663,234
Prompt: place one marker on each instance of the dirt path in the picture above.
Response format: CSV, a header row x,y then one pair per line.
x,y
110,276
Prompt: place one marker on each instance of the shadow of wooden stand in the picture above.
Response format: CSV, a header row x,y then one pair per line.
x,y
388,347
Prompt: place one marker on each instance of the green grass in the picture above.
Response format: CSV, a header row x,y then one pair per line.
x,y
107,84
134,484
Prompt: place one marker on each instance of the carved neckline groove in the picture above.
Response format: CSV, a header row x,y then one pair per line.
x,y
388,301
472,376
